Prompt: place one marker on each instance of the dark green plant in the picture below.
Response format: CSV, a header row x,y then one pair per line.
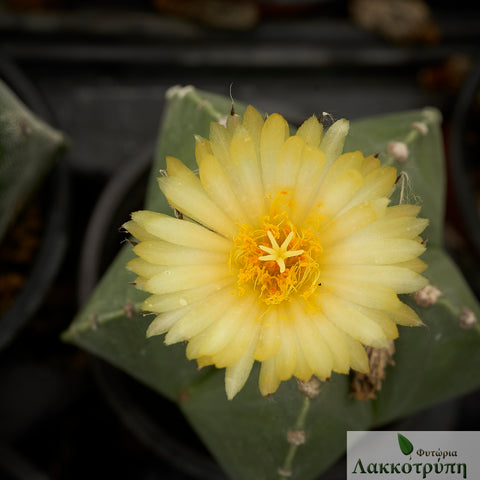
x,y
28,149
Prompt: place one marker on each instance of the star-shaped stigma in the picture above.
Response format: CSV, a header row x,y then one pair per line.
x,y
279,253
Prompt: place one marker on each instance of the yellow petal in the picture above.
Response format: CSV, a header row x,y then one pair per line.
x,y
337,195
382,319
302,368
176,168
346,161
315,350
377,252
404,315
220,139
181,277
140,283
268,381
349,222
288,164
311,132
358,290
137,231
181,232
236,348
171,301
358,356
204,362
143,268
248,173
217,184
415,264
220,334
351,321
234,121
308,182
191,199
165,321
397,227
192,352
253,123
199,317
202,149
274,133
378,183
286,358
336,343
404,210
165,253
370,164
221,142
269,341
237,374
333,140
399,279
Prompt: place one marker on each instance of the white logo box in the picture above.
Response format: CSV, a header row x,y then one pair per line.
x,y
433,455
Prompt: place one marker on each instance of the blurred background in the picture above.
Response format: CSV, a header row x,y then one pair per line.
x,y
99,71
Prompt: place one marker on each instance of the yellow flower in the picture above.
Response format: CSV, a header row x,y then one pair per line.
x,y
288,253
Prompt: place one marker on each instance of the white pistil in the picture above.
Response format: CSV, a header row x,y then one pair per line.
x,y
279,253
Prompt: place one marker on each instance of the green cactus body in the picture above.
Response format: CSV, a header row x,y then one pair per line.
x,y
293,434
28,149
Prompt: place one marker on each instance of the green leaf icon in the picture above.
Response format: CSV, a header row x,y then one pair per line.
x,y
405,445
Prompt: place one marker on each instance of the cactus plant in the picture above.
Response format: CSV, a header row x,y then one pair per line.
x,y
300,430
28,149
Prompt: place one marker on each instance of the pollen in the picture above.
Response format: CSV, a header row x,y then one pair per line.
x,y
288,267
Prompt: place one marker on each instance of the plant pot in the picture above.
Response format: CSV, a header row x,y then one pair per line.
x,y
465,177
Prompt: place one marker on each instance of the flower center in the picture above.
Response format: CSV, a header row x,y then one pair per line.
x,y
276,260
279,254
